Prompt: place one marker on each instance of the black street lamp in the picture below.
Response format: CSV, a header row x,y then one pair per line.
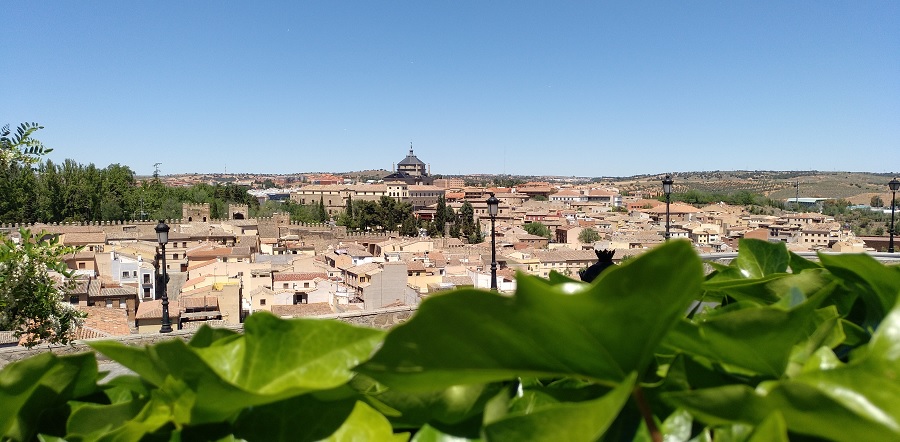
x,y
894,185
667,189
493,205
162,235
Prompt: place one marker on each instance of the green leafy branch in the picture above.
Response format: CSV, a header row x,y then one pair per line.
x,y
20,146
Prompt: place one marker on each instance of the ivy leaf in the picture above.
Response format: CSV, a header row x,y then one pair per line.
x,y
572,421
771,429
32,386
829,399
451,405
272,360
277,355
757,258
90,421
206,335
799,263
545,329
278,420
758,339
430,434
364,423
877,284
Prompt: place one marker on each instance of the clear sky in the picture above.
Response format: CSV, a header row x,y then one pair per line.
x,y
588,88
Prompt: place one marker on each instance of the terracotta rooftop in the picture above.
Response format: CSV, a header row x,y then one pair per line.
x,y
102,321
306,276
296,310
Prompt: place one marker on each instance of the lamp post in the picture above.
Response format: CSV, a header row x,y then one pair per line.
x,y
493,205
162,235
894,185
667,189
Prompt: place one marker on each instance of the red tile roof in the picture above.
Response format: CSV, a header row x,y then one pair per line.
x,y
306,276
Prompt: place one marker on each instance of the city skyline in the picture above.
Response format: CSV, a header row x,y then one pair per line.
x,y
502,88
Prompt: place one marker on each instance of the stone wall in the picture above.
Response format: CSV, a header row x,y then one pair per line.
x,y
384,319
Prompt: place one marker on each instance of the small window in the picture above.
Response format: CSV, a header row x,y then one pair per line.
x,y
73,299
174,256
286,285
262,302
81,265
124,274
109,303
122,304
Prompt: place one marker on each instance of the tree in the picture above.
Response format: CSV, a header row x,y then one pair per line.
x,y
322,213
876,201
31,302
588,236
538,229
467,221
440,215
409,227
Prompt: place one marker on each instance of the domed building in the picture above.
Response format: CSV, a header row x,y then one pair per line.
x,y
411,170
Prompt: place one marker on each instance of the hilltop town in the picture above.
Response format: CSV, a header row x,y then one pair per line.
x,y
222,270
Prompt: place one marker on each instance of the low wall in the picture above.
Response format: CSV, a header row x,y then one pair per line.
x,y
383,318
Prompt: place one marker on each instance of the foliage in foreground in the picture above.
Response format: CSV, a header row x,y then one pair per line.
x,y
31,301
784,348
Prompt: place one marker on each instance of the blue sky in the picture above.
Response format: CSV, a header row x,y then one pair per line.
x,y
557,88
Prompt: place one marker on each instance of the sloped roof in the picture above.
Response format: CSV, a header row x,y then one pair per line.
x,y
673,208
102,322
84,238
364,268
411,159
305,276
312,309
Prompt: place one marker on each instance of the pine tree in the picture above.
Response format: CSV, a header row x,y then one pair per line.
x,y
323,214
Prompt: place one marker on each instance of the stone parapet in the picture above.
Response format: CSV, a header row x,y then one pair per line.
x,y
382,318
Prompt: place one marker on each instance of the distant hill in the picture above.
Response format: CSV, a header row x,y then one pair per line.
x,y
859,187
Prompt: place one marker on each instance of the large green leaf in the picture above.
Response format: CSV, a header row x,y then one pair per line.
x,y
365,424
771,429
450,405
758,339
877,284
33,386
273,360
770,288
430,434
799,263
829,399
279,420
277,355
757,258
555,421
602,331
